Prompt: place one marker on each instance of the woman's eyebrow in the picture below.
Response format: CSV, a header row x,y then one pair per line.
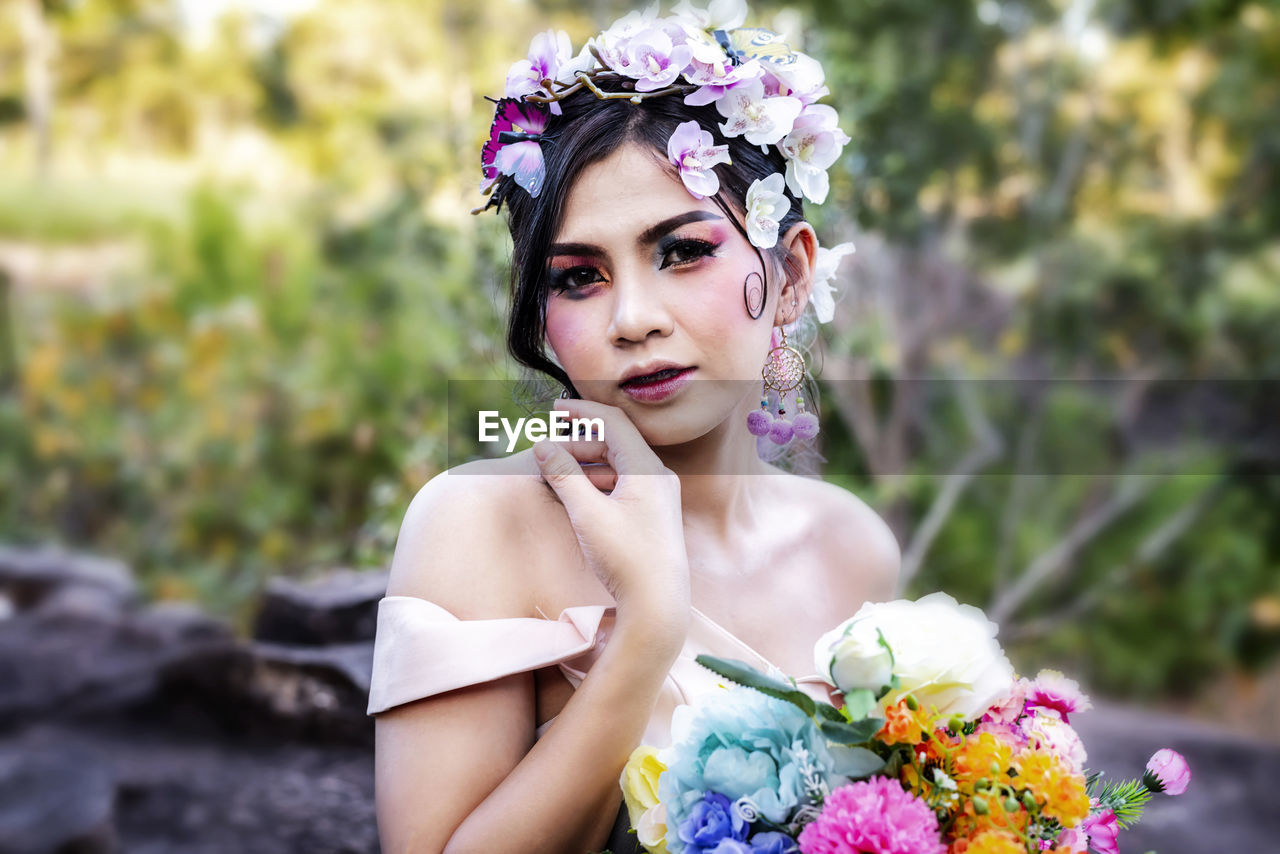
x,y
653,233
648,237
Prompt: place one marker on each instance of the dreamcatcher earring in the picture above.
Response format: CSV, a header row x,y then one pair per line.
x,y
784,371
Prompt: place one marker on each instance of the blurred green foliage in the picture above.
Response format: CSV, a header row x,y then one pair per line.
x,y
1038,188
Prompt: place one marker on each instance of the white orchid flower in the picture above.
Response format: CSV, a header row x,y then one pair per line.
x,y
720,15
767,204
812,146
762,120
823,295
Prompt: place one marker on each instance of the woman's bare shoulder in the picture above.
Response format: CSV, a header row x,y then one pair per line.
x,y
857,540
464,543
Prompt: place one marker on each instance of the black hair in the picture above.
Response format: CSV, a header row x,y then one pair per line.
x,y
588,131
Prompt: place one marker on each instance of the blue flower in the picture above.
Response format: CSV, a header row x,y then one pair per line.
x,y
739,744
711,820
772,842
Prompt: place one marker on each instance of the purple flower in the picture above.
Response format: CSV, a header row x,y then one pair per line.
x,y
513,147
690,148
772,842
710,821
1168,772
654,60
547,52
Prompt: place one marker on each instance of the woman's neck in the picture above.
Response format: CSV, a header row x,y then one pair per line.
x,y
720,477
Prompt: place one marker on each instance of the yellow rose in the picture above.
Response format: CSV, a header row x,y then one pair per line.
x,y
640,791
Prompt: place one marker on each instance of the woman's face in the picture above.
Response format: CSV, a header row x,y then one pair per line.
x,y
644,276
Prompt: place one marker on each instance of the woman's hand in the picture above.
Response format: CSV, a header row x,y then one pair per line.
x,y
633,536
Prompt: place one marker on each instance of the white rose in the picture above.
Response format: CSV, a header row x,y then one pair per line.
x,y
944,653
852,658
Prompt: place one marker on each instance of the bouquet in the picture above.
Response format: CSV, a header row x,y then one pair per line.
x,y
937,748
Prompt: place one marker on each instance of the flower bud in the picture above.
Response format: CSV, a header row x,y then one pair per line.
x,y
1029,801
1168,772
980,806
912,703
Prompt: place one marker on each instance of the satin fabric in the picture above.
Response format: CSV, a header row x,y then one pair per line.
x,y
421,650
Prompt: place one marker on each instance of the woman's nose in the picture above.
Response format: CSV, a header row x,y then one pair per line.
x,y
638,310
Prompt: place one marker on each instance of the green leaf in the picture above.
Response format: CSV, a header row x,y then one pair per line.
x,y
830,712
855,762
746,675
859,702
854,733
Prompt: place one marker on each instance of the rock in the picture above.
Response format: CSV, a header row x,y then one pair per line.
x,y
1230,804
312,694
338,608
197,791
28,575
76,654
55,799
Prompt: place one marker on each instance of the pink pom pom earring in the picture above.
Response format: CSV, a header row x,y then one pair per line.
x,y
784,371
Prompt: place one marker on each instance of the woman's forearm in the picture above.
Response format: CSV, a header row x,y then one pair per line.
x,y
563,796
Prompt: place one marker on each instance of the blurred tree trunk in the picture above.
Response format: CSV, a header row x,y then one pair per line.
x,y
39,47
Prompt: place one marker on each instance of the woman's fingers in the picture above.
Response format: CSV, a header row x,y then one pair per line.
x,y
625,449
602,476
563,474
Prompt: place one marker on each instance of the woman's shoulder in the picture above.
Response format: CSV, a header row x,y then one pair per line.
x,y
462,542
855,540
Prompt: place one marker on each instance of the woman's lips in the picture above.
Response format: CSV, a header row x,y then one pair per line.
x,y
666,384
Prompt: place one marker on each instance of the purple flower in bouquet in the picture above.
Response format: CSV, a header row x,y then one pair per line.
x,y
1168,772
772,842
711,821
743,744
876,816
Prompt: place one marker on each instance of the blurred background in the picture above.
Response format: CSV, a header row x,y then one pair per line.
x,y
238,268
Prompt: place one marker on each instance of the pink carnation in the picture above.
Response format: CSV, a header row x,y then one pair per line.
x,y
876,816
1169,771
1008,709
1104,832
1056,694
1010,734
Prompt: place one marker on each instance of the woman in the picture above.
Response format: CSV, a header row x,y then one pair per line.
x,y
501,728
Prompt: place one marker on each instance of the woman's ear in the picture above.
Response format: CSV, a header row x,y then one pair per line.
x,y
802,243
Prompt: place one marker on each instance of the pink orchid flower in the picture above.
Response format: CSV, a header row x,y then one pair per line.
x,y
690,149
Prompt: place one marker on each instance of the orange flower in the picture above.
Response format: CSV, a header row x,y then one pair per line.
x,y
1061,794
990,842
982,756
903,726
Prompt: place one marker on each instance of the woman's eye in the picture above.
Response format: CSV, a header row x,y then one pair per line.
x,y
686,252
574,278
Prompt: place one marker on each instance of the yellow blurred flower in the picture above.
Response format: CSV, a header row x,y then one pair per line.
x,y
990,842
640,791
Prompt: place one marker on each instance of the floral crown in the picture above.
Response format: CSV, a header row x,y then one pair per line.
x,y
766,92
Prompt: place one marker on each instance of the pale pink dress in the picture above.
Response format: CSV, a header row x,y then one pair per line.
x,y
421,650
